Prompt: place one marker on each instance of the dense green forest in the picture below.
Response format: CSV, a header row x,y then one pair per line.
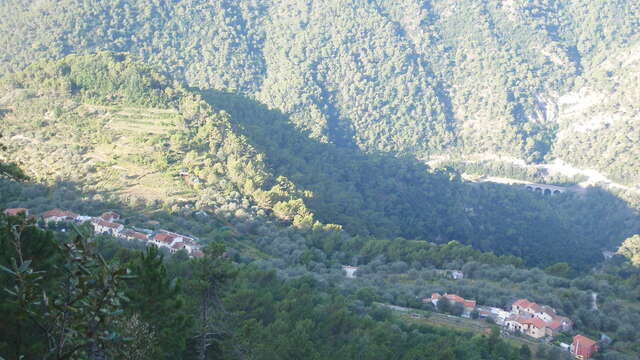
x,y
421,77
103,132
293,137
127,131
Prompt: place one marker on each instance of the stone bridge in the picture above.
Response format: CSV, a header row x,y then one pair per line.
x,y
545,189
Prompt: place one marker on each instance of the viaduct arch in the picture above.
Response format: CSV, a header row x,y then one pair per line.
x,y
545,189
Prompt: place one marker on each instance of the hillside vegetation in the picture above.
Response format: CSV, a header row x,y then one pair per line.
x,y
105,132
293,137
427,78
114,127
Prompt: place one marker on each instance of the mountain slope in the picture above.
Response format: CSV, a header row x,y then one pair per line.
x,y
600,119
408,76
117,128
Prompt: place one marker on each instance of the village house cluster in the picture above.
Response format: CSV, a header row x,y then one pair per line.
x,y
109,223
536,320
525,317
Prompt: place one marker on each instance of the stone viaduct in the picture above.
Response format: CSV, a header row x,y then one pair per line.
x,y
545,189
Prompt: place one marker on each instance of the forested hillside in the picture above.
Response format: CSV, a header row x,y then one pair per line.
x,y
428,78
292,137
136,304
115,129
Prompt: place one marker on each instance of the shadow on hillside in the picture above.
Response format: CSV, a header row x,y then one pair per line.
x,y
387,196
373,193
546,229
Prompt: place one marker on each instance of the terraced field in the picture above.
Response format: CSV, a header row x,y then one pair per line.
x,y
122,155
131,157
143,121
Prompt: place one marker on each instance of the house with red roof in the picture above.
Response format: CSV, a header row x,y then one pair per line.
x,y
16,211
129,234
162,239
165,238
536,320
101,226
468,305
110,216
532,326
57,215
543,312
583,347
173,241
553,321
176,242
105,224
180,237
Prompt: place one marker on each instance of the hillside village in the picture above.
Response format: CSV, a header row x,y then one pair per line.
x,y
110,223
525,317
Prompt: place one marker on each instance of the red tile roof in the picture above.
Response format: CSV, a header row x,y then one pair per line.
x,y
59,213
583,346
523,303
16,211
175,235
110,215
178,246
139,235
535,307
584,341
526,304
469,303
527,321
554,324
539,323
134,234
163,238
454,297
104,223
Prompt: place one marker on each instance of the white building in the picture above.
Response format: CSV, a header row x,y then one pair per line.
x,y
57,215
101,226
350,271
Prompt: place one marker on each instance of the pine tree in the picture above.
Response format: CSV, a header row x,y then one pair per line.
x,y
210,274
159,302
